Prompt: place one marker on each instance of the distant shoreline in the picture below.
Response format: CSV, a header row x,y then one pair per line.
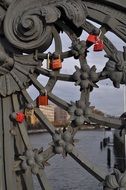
x,y
36,131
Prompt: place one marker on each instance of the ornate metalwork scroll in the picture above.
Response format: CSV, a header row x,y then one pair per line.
x,y
27,29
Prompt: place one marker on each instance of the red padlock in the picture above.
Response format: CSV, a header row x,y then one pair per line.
x,y
20,117
42,100
92,39
56,64
99,45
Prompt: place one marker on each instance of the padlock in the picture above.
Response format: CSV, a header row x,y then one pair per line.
x,y
56,64
99,45
29,112
91,39
48,61
20,117
42,100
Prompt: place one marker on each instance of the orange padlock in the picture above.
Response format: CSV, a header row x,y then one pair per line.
x,y
56,64
99,45
42,100
92,39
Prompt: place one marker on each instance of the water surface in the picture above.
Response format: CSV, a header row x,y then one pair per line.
x,y
66,174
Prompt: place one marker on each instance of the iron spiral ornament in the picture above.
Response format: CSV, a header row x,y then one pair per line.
x,y
27,30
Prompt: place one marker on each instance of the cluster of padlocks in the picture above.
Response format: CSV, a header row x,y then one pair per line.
x,y
97,41
55,63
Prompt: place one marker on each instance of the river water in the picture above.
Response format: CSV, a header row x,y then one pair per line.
x,y
66,174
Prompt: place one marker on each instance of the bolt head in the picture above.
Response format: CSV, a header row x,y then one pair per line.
x,y
56,137
13,115
35,169
61,143
59,149
78,112
13,131
67,136
30,162
84,76
69,148
24,165
85,68
81,104
30,106
88,111
79,120
39,158
29,154
84,84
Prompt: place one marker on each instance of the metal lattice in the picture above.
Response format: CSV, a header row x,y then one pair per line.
x,y
27,29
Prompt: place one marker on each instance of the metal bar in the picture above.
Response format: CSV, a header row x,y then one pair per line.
x,y
37,84
87,165
63,77
28,179
43,180
48,154
67,54
51,82
21,126
43,71
63,55
58,49
58,101
105,121
10,176
50,128
28,98
2,174
27,176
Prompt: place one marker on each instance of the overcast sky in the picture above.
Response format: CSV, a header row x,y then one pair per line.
x,y
106,98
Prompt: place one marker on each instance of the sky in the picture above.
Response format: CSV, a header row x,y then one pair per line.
x,y
106,98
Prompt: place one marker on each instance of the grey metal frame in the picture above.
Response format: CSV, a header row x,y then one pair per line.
x,y
29,27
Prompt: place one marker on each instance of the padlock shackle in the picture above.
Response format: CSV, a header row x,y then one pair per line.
x,y
48,56
98,37
100,33
48,61
45,92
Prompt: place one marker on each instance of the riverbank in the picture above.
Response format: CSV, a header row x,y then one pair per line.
x,y
82,128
